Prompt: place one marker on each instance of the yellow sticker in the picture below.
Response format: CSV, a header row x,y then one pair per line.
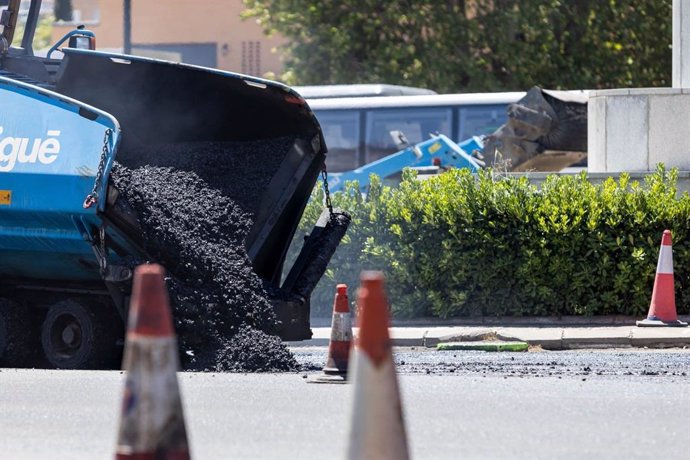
x,y
5,197
434,147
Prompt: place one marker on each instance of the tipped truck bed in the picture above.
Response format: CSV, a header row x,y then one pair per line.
x,y
222,126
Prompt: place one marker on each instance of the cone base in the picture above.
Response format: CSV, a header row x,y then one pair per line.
x,y
335,370
659,323
325,378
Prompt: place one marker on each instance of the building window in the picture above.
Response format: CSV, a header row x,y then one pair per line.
x,y
251,58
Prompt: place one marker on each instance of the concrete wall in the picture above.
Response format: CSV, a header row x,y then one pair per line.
x,y
635,129
241,45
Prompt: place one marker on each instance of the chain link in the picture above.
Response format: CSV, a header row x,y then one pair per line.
x,y
324,177
92,198
103,262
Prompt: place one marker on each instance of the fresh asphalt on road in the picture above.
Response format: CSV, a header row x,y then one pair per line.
x,y
567,363
485,413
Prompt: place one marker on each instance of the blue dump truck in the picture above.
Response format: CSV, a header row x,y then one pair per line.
x,y
64,238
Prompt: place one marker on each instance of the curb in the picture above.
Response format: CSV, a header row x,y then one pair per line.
x,y
548,338
546,344
592,338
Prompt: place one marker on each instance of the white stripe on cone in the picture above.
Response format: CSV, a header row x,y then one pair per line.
x,y
665,264
377,427
341,329
152,419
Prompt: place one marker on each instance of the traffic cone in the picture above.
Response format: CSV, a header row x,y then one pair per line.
x,y
335,369
378,429
662,310
151,423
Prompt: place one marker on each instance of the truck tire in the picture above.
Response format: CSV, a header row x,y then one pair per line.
x,y
75,337
16,335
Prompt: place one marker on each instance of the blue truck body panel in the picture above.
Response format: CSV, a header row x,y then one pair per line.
x,y
50,151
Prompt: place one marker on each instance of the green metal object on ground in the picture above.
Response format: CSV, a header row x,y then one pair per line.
x,y
483,346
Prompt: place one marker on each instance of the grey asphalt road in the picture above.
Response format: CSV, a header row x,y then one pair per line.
x,y
621,362
74,415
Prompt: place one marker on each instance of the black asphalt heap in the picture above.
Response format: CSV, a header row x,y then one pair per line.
x,y
196,228
239,170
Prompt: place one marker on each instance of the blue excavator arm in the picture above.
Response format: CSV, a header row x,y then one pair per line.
x,y
439,150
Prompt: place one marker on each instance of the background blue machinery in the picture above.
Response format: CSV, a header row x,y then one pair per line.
x,y
439,151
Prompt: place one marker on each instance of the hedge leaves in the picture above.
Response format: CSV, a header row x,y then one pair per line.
x,y
460,244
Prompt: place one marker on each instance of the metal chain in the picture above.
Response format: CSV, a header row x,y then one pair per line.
x,y
92,198
103,262
324,176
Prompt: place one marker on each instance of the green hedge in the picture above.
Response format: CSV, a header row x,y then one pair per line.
x,y
460,244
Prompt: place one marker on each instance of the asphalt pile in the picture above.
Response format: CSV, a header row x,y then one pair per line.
x,y
238,170
195,208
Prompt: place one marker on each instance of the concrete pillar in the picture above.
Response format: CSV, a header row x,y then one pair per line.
x,y
681,44
636,129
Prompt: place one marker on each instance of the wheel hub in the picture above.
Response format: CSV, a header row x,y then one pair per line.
x,y
70,334
66,335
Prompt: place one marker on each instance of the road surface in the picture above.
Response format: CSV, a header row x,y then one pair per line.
x,y
74,414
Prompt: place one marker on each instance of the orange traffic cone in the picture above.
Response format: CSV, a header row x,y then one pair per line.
x,y
335,369
662,310
151,423
378,429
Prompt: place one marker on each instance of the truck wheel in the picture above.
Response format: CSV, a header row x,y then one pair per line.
x,y
15,335
74,337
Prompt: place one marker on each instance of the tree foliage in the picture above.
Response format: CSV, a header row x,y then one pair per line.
x,y
473,45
